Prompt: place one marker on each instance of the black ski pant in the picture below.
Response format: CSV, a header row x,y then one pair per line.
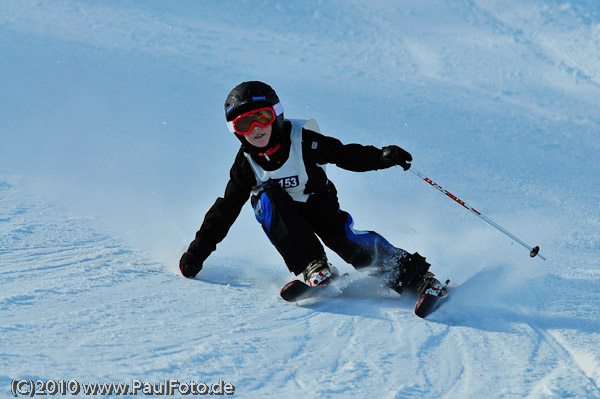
x,y
294,228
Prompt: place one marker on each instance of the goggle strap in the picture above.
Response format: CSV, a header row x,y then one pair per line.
x,y
230,126
278,108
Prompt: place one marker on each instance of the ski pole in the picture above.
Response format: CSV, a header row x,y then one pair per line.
x,y
532,251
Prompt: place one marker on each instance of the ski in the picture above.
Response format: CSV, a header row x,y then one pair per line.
x,y
430,300
297,290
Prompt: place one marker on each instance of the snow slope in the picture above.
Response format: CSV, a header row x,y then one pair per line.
x,y
113,145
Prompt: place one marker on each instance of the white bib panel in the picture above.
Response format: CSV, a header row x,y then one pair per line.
x,y
291,176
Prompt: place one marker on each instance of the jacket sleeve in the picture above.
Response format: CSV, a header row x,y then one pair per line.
x,y
226,209
353,157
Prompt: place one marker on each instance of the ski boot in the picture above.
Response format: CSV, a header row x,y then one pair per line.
x,y
430,285
430,291
408,272
319,272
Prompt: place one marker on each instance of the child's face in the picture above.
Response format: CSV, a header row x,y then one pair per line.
x,y
260,136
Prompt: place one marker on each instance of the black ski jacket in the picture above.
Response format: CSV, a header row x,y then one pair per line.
x,y
316,149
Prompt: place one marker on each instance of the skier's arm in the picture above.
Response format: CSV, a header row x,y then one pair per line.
x,y
219,218
222,214
353,157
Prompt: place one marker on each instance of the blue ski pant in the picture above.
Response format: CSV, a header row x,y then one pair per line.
x,y
296,229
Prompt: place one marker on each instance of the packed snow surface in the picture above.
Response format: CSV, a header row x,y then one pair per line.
x,y
113,145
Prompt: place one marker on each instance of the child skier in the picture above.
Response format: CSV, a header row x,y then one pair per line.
x,y
281,165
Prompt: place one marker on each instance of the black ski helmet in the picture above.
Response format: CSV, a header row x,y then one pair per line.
x,y
253,95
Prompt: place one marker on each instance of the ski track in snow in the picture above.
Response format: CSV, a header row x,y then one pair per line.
x,y
110,314
498,99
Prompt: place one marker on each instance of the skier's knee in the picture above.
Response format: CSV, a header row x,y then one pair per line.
x,y
408,272
412,269
263,209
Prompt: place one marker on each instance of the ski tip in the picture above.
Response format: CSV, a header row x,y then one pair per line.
x,y
428,302
287,286
424,305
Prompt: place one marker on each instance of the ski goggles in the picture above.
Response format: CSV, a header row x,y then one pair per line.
x,y
261,117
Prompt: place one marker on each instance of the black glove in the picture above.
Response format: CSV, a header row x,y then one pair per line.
x,y
191,261
394,155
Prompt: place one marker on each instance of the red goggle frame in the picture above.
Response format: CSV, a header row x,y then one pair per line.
x,y
262,117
